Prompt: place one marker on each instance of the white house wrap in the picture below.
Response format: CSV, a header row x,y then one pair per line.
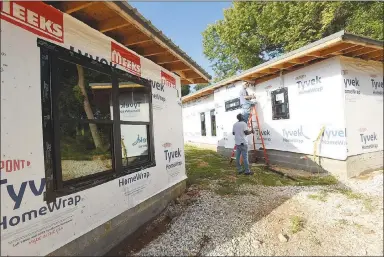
x,y
30,225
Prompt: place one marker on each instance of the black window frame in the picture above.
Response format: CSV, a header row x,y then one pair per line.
x,y
213,123
50,54
203,127
275,105
232,108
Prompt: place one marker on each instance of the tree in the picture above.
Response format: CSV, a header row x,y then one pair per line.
x,y
254,32
185,90
200,86
88,109
77,102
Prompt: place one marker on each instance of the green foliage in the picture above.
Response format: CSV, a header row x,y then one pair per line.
x,y
297,224
322,196
254,32
200,86
81,148
185,90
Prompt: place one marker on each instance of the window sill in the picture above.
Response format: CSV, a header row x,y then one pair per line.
x,y
84,183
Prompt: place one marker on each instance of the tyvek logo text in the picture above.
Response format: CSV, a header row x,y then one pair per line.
x,y
352,86
334,137
377,87
310,86
170,156
293,136
368,140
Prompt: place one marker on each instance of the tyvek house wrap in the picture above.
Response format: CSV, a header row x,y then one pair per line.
x,y
363,89
315,101
28,225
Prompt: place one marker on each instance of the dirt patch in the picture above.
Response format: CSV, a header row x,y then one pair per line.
x,y
141,237
295,172
203,164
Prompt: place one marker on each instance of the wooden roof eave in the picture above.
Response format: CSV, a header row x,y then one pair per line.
x,y
337,44
147,41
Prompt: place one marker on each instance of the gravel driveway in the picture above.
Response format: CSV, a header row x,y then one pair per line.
x,y
286,220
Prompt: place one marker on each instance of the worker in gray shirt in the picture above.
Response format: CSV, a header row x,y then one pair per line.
x,y
240,131
245,102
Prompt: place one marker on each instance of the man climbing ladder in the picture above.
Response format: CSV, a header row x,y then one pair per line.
x,y
245,102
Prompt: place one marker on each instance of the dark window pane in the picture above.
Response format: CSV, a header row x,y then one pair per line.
x,y
134,144
85,149
280,108
203,129
213,123
84,93
133,101
232,104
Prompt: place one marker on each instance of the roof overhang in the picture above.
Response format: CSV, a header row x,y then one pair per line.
x,y
127,26
338,44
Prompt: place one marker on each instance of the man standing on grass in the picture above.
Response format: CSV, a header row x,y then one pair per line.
x,y
240,131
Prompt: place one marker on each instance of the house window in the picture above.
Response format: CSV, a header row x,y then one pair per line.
x,y
232,104
213,123
97,121
280,104
203,129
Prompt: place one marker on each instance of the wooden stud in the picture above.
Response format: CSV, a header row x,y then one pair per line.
x,y
332,49
352,49
372,54
378,58
166,58
191,74
176,66
136,39
112,24
74,6
305,59
152,52
185,82
168,61
139,42
317,55
364,51
263,79
296,61
285,65
257,74
184,77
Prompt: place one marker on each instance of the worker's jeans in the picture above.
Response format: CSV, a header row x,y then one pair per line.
x,y
246,110
243,151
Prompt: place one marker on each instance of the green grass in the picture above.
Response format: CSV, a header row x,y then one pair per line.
x,y
322,196
368,205
81,149
350,194
206,167
297,224
366,201
342,222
